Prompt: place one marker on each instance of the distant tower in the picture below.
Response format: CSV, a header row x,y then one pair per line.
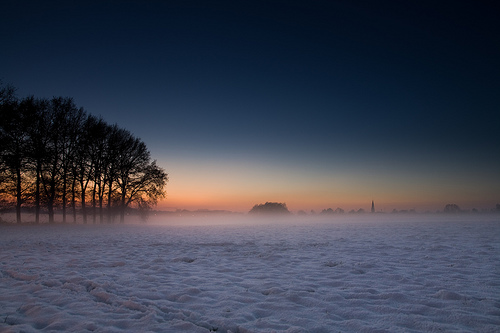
x,y
373,207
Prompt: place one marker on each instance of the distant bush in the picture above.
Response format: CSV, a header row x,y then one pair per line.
x,y
270,208
451,208
331,211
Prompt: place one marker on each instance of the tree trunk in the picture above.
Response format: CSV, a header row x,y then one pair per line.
x,y
110,201
50,208
100,197
19,198
122,207
73,198
84,208
50,199
94,213
37,192
64,198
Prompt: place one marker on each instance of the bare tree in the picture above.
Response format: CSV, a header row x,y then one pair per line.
x,y
144,187
36,110
84,164
98,133
116,144
64,117
71,134
13,141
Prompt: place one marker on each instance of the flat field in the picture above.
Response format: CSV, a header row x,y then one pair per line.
x,y
337,275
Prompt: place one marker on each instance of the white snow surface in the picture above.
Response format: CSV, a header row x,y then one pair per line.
x,y
312,276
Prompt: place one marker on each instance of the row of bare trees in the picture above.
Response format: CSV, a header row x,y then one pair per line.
x,y
56,156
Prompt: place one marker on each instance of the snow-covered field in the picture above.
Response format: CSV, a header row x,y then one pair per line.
x,y
314,276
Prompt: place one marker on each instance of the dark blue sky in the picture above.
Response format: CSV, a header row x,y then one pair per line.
x,y
403,91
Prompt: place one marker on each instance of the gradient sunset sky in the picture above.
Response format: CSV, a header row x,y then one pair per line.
x,y
314,103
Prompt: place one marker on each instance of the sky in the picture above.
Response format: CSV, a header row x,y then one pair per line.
x,y
318,104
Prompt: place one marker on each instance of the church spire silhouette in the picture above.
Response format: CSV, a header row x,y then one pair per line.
x,y
373,207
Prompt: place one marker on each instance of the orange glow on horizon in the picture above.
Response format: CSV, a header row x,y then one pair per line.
x,y
243,205
237,185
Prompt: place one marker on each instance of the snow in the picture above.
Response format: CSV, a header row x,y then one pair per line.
x,y
336,275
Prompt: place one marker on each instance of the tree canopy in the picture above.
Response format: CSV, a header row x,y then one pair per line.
x,y
270,208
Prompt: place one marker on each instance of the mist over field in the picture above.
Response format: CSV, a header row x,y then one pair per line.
x,y
310,220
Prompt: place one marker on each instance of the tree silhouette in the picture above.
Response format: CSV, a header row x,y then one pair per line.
x,y
37,111
451,208
270,208
99,134
327,211
145,186
52,152
13,149
137,177
59,152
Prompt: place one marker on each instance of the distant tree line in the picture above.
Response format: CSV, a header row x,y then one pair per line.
x,y
448,209
54,155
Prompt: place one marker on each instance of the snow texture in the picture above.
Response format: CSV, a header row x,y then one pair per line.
x,y
328,276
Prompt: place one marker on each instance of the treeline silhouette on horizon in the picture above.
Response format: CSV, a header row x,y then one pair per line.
x,y
54,155
281,208
448,209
